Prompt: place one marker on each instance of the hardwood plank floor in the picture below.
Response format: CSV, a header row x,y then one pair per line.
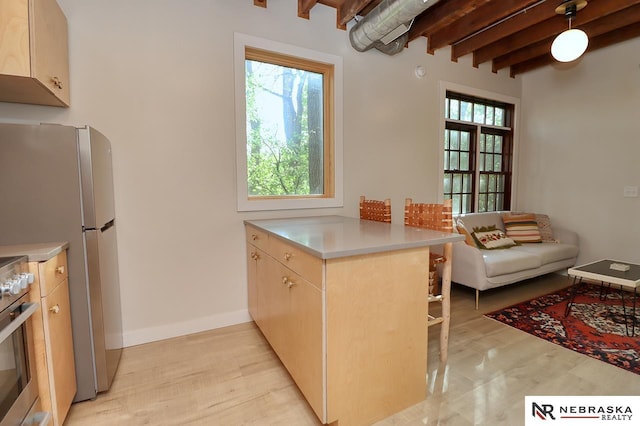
x,y
230,376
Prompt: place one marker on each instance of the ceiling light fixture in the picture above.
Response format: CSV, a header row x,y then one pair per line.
x,y
572,43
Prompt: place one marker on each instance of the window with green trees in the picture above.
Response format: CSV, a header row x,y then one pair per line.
x,y
288,126
286,100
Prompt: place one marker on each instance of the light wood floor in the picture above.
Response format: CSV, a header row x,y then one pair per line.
x,y
230,376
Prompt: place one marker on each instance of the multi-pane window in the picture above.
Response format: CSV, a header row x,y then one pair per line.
x,y
478,146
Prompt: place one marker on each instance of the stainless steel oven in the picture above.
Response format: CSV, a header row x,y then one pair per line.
x,y
19,403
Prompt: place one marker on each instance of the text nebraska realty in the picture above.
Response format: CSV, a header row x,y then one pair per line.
x,y
609,412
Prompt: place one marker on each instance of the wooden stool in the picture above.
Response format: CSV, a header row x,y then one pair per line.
x,y
437,217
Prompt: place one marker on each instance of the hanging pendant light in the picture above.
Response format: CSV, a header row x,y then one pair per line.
x,y
572,43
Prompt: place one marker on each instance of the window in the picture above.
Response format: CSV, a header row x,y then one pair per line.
x,y
287,144
478,153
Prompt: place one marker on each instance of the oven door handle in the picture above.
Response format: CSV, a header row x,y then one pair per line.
x,y
19,320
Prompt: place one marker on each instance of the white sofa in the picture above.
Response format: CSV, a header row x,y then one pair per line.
x,y
483,269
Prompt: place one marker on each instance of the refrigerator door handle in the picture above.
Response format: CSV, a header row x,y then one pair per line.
x,y
108,225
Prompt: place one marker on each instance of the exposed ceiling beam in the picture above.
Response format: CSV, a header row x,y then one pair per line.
x,y
442,14
304,7
510,33
607,25
622,34
517,23
533,51
349,9
549,27
482,17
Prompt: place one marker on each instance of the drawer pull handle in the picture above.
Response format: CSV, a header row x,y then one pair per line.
x,y
55,309
254,237
286,281
287,256
60,269
255,256
57,82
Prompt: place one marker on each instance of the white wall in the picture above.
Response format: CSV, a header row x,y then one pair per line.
x,y
156,76
580,148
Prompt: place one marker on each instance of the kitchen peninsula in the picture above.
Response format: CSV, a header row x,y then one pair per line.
x,y
343,303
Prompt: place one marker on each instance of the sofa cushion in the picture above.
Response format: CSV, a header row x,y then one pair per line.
x,y
491,238
467,235
522,228
477,220
549,252
544,225
501,262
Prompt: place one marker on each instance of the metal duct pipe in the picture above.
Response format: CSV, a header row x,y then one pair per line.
x,y
382,20
395,46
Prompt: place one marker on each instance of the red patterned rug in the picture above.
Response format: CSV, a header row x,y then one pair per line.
x,y
595,327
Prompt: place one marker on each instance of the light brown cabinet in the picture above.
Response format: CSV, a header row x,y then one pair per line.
x,y
288,310
55,365
351,331
34,54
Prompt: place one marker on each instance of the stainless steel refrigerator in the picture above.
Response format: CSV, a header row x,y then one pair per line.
x,y
56,184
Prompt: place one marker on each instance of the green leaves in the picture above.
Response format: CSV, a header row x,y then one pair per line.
x,y
283,113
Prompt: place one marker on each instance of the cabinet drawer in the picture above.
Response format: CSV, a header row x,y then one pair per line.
x,y
52,273
59,341
305,264
257,237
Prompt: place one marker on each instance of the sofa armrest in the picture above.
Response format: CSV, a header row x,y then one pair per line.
x,y
468,265
565,236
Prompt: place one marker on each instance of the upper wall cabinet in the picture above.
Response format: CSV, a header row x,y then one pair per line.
x,y
34,53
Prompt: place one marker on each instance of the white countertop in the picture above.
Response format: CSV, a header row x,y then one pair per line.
x,y
331,237
38,252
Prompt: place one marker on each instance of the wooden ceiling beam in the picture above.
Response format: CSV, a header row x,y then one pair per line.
x,y
614,21
531,64
534,15
304,7
622,34
550,27
441,15
510,33
530,52
349,9
610,24
488,14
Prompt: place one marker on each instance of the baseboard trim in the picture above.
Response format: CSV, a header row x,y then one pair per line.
x,y
167,331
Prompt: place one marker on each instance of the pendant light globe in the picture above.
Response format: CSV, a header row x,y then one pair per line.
x,y
569,45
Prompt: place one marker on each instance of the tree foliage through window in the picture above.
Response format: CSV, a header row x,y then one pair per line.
x,y
285,140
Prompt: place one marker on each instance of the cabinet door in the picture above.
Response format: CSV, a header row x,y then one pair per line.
x,y
50,51
14,33
273,305
305,338
60,360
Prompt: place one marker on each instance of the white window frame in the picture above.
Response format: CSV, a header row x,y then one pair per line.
x,y
479,93
244,203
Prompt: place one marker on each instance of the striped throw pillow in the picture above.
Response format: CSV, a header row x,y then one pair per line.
x,y
522,228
